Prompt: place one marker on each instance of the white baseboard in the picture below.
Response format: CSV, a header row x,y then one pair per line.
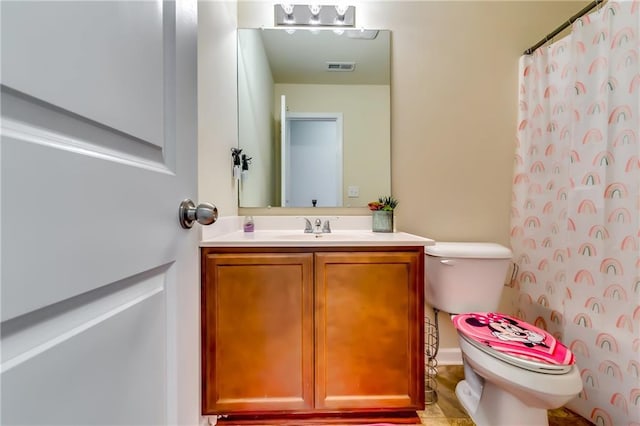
x,y
449,356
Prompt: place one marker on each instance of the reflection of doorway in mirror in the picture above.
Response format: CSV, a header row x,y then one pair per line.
x,y
313,159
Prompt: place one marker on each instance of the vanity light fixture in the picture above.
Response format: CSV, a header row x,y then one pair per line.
x,y
314,15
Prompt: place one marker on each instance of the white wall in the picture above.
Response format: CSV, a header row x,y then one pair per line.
x,y
217,104
255,121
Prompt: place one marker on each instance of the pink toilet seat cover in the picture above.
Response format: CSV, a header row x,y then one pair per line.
x,y
513,337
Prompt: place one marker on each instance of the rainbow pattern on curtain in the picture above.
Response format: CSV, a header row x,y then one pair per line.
x,y
575,221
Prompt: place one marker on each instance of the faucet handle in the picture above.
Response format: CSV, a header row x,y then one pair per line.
x,y
307,226
326,228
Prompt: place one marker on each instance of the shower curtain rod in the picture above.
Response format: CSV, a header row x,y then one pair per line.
x,y
558,30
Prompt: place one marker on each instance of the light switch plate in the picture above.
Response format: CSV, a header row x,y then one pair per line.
x,y
353,191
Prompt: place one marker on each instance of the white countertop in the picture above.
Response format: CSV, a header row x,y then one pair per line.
x,y
279,232
296,238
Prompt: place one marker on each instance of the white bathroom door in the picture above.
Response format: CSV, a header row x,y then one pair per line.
x,y
100,293
314,155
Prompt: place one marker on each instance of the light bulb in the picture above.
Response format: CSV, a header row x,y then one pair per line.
x,y
315,14
341,10
315,9
288,13
287,8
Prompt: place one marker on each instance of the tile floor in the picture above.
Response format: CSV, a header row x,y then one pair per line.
x,y
447,411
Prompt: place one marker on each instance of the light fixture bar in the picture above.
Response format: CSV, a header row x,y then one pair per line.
x,y
314,15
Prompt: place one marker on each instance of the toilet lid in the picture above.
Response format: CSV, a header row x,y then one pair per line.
x,y
514,341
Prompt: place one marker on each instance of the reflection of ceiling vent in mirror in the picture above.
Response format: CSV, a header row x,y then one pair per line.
x,y
340,66
362,34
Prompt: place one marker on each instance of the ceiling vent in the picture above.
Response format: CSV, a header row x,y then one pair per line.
x,y
341,66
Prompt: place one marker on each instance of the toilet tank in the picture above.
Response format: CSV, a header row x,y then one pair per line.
x,y
465,277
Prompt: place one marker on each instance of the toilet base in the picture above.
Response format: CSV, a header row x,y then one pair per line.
x,y
495,407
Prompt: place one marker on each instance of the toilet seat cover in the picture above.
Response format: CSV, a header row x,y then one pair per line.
x,y
513,338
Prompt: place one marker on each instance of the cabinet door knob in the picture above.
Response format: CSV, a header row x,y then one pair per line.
x,y
204,213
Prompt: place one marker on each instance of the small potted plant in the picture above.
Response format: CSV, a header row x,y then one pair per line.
x,y
382,211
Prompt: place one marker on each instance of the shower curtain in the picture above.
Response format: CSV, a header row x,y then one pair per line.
x,y
575,229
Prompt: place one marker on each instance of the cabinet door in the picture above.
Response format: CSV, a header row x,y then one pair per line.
x,y
369,330
257,338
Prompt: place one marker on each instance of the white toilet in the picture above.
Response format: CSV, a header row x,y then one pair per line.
x,y
499,388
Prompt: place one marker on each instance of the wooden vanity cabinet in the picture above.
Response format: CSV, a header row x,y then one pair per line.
x,y
307,331
369,339
257,332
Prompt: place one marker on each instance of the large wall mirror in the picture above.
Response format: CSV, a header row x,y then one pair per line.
x,y
314,117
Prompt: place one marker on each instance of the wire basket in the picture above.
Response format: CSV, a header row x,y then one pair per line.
x,y
430,362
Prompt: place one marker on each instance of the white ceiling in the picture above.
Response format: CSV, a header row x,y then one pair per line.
x,y
301,57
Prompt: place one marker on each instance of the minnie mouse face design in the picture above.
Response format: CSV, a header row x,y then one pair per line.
x,y
506,329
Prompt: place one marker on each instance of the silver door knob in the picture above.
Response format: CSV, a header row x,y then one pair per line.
x,y
204,213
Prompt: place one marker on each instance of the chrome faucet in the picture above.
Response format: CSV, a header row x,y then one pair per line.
x,y
317,227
